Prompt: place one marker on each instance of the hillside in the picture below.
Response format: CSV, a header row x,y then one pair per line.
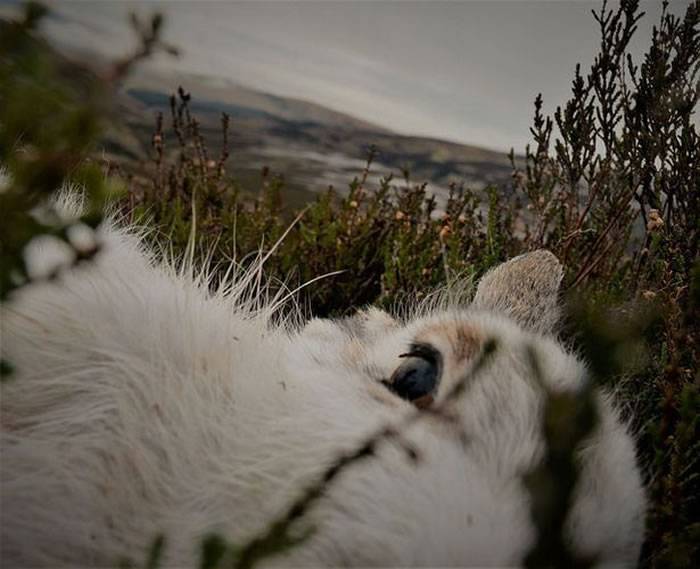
x,y
312,146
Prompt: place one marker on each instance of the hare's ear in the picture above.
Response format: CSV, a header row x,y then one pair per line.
x,y
526,289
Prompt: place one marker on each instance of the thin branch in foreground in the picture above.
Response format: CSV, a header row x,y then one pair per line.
x,y
569,418
276,538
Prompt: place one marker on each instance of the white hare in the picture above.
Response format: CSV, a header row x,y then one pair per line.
x,y
145,404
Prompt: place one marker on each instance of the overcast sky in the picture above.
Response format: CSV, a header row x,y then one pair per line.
x,y
465,71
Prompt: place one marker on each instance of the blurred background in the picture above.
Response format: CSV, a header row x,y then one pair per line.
x,y
445,89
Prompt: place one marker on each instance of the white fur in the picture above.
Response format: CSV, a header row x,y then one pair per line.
x,y
143,403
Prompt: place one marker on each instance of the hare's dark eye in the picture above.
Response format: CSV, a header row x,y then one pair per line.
x,y
417,377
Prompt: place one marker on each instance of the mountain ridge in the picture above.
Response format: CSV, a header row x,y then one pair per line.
x,y
311,145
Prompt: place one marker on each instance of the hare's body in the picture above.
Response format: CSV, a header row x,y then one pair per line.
x,y
143,404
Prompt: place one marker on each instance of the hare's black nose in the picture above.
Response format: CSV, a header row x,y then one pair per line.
x,y
418,374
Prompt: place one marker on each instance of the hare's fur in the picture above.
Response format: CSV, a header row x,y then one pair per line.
x,y
143,403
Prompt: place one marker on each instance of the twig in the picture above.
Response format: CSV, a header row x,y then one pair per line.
x,y
276,537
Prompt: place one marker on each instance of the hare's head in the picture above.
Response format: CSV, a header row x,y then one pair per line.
x,y
478,430
414,358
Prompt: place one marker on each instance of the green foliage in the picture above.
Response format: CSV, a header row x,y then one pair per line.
x,y
155,554
213,552
616,198
568,419
627,149
50,120
45,133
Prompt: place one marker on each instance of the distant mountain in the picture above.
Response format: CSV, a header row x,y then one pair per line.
x,y
311,145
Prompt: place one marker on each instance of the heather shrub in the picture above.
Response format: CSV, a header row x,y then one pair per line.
x,y
382,244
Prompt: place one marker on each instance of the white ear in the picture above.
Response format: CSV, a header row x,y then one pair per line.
x,y
524,288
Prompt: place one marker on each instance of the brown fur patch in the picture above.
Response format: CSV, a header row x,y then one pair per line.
x,y
464,341
424,402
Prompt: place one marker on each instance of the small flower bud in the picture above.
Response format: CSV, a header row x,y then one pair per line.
x,y
655,221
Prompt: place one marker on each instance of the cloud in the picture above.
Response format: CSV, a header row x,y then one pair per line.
x,y
465,71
